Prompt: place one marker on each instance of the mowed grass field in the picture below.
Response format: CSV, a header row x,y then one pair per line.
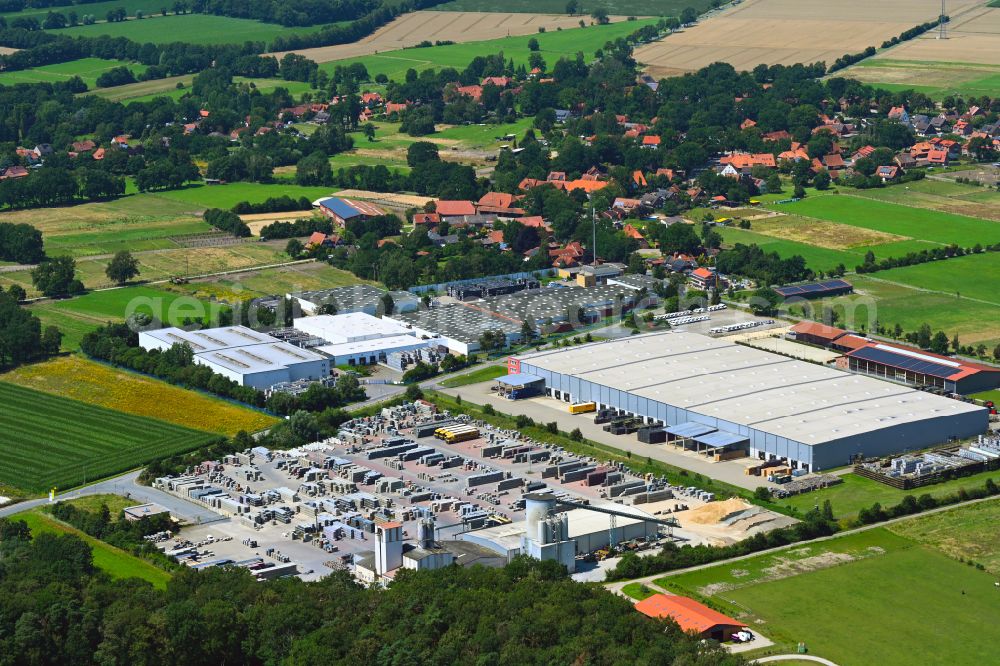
x,y
87,69
873,597
116,562
279,280
857,492
51,441
955,295
76,317
189,28
553,44
144,91
907,221
101,385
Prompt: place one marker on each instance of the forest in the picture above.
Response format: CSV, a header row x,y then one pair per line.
x,y
57,608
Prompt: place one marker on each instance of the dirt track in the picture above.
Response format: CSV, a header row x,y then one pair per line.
x,y
411,29
788,32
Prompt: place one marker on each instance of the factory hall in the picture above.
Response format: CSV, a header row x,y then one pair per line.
x,y
724,396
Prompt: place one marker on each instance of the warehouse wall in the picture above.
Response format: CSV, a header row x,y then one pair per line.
x,y
892,439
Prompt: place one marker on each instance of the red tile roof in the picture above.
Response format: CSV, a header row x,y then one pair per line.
x,y
818,330
448,208
497,200
687,613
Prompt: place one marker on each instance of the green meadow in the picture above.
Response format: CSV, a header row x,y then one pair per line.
x,y
553,45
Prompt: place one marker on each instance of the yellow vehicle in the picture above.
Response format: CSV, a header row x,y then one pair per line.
x,y
755,202
457,433
582,407
722,220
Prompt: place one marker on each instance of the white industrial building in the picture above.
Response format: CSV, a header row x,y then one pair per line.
x,y
358,338
546,534
248,357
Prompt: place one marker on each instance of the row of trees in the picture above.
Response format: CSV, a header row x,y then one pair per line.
x,y
871,265
51,186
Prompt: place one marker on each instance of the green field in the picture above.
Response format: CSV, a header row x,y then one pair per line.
x,y
87,69
613,7
116,562
476,376
930,293
227,196
857,492
917,223
867,598
144,91
76,317
937,194
54,442
970,533
817,258
98,9
553,45
951,277
189,28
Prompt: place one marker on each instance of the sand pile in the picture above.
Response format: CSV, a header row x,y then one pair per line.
x,y
715,512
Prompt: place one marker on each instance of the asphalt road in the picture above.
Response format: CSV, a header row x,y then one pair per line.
x,y
127,485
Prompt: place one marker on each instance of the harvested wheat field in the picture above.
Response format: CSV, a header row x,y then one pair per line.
x,y
823,233
411,29
387,199
973,36
788,32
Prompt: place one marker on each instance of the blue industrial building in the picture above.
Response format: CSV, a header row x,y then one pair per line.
x,y
721,395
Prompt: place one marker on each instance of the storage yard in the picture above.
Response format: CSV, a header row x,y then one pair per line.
x,y
459,491
769,406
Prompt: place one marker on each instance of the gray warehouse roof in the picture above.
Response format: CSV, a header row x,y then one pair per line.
x,y
801,401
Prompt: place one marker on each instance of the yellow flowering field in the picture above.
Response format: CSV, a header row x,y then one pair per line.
x,y
78,378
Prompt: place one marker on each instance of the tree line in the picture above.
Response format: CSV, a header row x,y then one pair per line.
x,y
527,612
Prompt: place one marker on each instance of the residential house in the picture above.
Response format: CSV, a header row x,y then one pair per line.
x,y
651,141
639,179
473,91
429,219
703,278
899,114
635,234
498,81
84,146
747,124
887,173
452,210
776,136
16,171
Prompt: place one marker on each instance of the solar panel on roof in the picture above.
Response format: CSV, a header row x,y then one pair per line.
x,y
835,284
904,362
812,287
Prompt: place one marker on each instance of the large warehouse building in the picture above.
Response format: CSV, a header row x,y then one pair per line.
x,y
248,357
812,416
